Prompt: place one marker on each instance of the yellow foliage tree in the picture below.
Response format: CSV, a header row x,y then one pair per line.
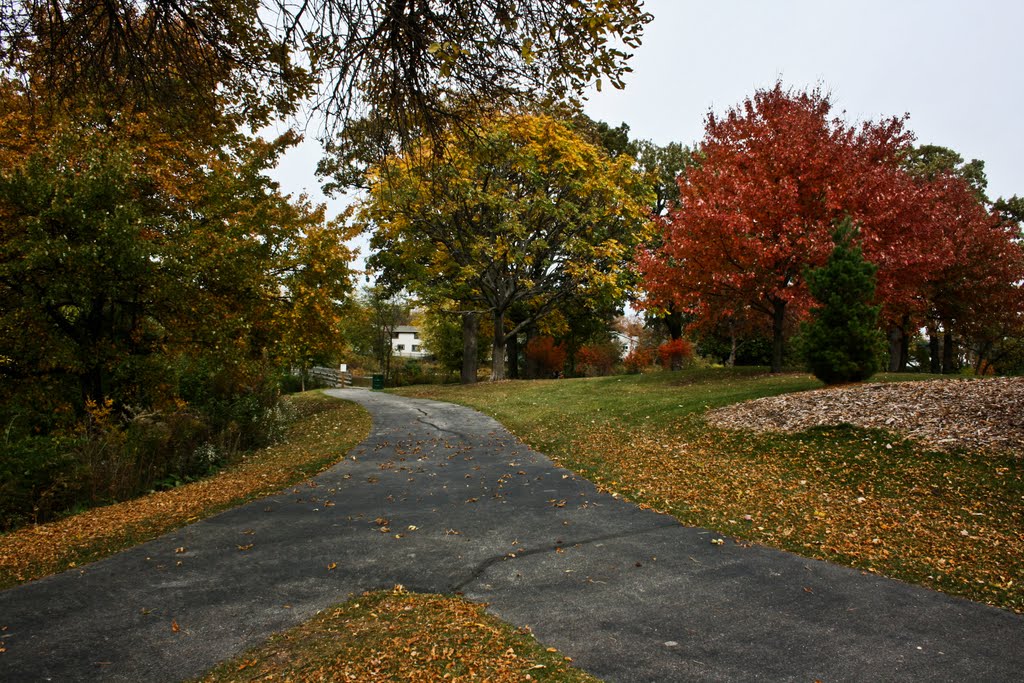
x,y
522,211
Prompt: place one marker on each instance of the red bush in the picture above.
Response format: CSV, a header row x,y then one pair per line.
x,y
597,359
546,354
672,353
638,359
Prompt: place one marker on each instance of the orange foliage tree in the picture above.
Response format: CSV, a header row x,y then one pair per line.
x,y
758,209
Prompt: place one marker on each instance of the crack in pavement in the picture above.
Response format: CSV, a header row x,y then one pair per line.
x,y
483,566
423,420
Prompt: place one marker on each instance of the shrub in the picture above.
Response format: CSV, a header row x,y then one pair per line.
x,y
238,401
114,452
673,352
546,355
638,360
39,477
598,359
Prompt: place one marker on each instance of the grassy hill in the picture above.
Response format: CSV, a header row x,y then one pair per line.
x,y
952,521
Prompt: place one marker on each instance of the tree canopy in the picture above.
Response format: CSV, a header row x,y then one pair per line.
x,y
772,177
125,247
523,213
402,59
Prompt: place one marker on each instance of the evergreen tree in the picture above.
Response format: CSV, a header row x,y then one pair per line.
x,y
842,336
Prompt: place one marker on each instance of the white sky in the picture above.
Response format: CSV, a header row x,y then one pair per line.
x,y
954,66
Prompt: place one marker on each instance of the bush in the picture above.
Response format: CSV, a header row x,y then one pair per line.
x,y
116,452
546,355
673,352
39,477
238,401
638,360
598,359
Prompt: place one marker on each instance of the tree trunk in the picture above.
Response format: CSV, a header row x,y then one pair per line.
x,y
498,348
513,357
470,329
733,346
778,340
947,351
905,345
674,323
983,350
895,346
934,361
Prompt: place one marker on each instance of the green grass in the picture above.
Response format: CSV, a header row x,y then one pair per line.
x,y
865,498
541,408
399,636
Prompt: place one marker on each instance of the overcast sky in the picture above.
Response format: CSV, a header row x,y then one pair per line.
x,y
954,66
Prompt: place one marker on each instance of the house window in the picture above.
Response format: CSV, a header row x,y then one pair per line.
x,y
400,347
415,335
415,348
394,335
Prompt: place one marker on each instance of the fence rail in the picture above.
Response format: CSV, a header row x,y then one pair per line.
x,y
332,377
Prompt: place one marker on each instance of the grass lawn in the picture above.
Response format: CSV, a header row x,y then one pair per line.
x,y
398,636
864,498
325,429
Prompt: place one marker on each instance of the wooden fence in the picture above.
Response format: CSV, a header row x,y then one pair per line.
x,y
331,377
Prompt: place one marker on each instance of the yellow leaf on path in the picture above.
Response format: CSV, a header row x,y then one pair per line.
x,y
174,626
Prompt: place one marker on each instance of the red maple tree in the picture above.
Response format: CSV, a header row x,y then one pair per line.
x,y
975,291
773,176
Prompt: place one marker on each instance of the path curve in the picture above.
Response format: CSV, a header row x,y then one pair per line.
x,y
631,595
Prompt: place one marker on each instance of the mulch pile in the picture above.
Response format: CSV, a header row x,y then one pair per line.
x,y
945,414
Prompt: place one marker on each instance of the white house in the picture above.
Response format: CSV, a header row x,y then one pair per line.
x,y
406,342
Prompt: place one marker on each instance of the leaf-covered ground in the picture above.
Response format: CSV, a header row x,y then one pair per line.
x,y
399,636
324,431
952,520
947,414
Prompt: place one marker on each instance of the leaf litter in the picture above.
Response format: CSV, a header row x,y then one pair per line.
x,y
400,636
948,414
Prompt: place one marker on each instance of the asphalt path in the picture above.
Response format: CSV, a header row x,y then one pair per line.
x,y
440,498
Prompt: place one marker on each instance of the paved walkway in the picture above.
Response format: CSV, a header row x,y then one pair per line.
x,y
629,594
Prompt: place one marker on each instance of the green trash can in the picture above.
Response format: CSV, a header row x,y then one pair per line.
x,y
377,382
